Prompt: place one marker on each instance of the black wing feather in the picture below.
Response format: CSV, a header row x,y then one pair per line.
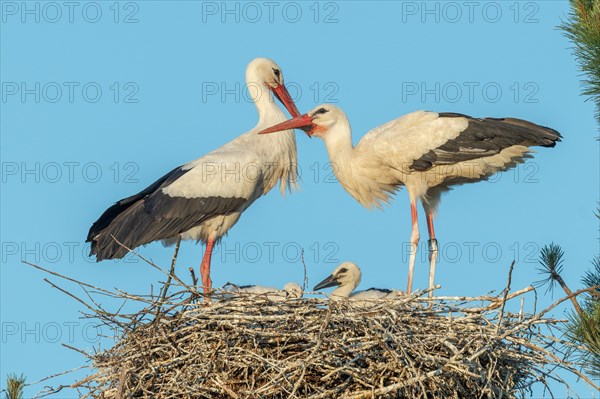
x,y
384,290
158,217
486,137
151,215
121,206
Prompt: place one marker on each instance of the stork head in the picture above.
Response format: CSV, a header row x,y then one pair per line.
x,y
263,73
319,122
293,290
345,275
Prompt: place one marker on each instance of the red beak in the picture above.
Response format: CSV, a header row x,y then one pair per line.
x,y
299,122
284,96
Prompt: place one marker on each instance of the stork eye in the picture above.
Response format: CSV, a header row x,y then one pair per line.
x,y
342,270
322,111
277,72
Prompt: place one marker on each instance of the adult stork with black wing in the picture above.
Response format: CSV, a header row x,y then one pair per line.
x,y
428,152
203,199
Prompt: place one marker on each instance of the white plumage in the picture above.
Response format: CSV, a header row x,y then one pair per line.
x,y
290,291
203,199
346,277
427,152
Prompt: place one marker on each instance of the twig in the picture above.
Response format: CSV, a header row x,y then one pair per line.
x,y
165,287
250,346
194,278
147,261
506,291
305,281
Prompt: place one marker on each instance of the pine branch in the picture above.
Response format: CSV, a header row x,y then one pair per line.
x,y
583,29
592,277
551,260
14,386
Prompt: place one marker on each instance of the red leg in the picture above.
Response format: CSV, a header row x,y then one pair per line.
x,y
205,266
414,243
430,226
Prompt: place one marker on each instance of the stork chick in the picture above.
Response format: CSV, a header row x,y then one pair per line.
x,y
290,291
346,277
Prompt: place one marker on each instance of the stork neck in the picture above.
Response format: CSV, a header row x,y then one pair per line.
x,y
268,110
343,291
338,141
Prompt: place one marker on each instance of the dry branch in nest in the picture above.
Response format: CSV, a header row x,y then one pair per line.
x,y
178,346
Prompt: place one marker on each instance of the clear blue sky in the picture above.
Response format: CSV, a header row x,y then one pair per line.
x,y
100,100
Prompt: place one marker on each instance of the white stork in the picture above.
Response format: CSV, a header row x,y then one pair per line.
x,y
289,291
427,152
346,277
203,199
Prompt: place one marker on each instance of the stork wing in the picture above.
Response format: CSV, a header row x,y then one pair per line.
x,y
486,137
122,205
401,141
421,140
220,183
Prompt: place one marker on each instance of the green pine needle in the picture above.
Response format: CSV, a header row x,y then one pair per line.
x,y
592,277
551,261
585,330
583,29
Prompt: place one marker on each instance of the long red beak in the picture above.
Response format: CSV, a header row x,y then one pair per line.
x,y
284,96
299,122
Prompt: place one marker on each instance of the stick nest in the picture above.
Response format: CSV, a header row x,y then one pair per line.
x,y
251,347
